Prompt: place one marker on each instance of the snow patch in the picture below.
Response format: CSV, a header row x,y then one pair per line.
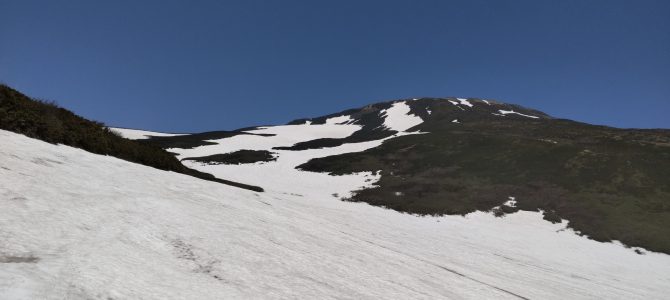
x,y
464,101
136,134
339,120
286,135
506,112
397,117
511,202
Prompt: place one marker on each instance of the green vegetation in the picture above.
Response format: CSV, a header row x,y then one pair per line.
x,y
610,184
236,158
50,123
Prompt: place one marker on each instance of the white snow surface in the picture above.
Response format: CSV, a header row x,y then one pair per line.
x,y
339,120
280,175
464,101
506,112
511,201
136,134
285,135
398,118
76,225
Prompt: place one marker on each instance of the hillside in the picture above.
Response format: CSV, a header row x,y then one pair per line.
x,y
75,225
610,184
457,156
50,123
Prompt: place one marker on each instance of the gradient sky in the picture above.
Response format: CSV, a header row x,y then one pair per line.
x,y
188,66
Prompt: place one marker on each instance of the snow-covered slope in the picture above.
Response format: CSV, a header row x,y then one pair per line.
x,y
280,175
75,225
136,134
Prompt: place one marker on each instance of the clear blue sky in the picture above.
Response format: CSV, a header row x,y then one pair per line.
x,y
185,66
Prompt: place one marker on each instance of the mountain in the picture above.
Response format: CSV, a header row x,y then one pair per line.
x,y
437,156
79,225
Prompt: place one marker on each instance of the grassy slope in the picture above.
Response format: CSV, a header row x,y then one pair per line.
x,y
50,123
611,184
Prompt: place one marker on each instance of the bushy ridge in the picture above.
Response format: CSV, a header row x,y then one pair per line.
x,y
46,121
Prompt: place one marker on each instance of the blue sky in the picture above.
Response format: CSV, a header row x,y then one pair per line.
x,y
187,66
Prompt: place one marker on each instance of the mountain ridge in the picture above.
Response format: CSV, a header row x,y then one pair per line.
x,y
591,175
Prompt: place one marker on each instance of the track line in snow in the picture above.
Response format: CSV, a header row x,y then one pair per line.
x,y
437,266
